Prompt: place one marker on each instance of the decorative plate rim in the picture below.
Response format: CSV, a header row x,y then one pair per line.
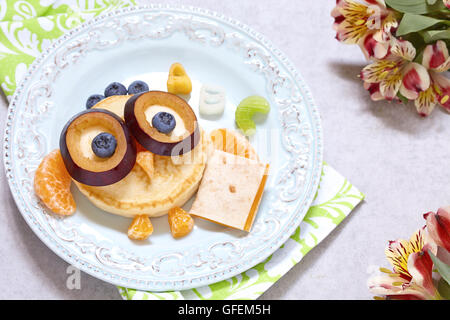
x,y
212,277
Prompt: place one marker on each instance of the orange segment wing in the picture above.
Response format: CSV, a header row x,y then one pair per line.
x,y
52,184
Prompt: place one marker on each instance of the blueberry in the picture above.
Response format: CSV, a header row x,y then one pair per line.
x,y
93,100
104,145
115,89
164,122
137,87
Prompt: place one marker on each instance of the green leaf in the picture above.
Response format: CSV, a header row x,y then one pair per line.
x,y
435,35
415,6
444,289
443,269
414,22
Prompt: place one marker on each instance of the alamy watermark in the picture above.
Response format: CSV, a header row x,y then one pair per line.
x,y
73,281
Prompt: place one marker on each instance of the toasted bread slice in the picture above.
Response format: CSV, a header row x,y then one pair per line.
x,y
231,190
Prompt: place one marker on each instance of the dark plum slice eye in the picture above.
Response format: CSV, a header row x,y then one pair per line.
x,y
104,145
150,132
114,146
164,122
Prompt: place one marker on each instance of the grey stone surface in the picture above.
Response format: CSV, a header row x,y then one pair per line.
x,y
396,158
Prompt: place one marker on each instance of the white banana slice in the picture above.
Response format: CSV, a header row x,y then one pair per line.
x,y
212,100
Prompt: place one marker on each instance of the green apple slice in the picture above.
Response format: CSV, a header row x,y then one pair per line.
x,y
247,109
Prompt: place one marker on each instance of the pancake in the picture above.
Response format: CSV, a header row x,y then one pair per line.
x,y
173,183
115,104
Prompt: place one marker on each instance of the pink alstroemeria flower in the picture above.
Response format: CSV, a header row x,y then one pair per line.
x,y
374,90
367,24
438,225
396,73
412,275
437,60
447,3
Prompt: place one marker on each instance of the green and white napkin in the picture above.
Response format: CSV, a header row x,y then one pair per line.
x,y
334,200
28,27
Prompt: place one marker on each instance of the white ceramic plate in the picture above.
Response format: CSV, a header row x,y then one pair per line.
x,y
142,43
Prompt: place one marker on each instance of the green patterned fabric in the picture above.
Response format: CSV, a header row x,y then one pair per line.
x,y
28,27
334,200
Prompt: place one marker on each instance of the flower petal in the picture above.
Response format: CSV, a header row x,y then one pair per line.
x,y
436,57
349,21
337,21
384,285
403,49
374,90
444,67
373,48
438,226
441,85
390,23
380,70
352,9
389,87
426,102
354,20
380,3
338,17
447,3
349,33
397,252
420,266
415,80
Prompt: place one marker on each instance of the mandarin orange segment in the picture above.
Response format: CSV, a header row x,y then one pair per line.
x,y
180,222
145,160
232,142
52,184
141,228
